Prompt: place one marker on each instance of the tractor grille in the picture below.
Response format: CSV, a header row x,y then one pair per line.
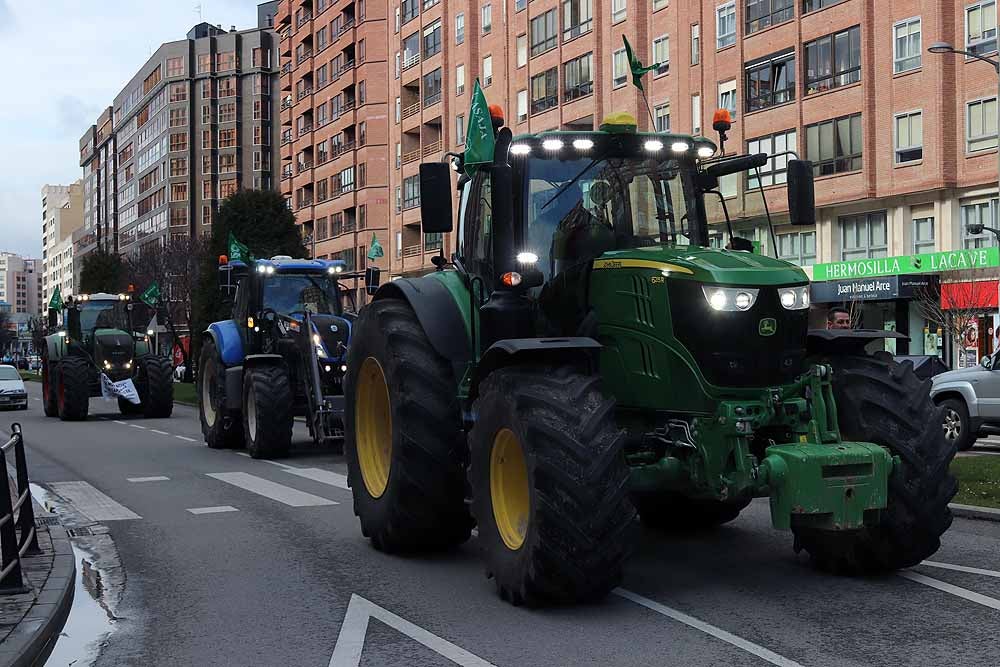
x,y
728,346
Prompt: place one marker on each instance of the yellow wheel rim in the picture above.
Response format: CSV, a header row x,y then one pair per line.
x,y
509,490
373,427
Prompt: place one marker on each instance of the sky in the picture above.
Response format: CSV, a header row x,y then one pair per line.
x,y
66,62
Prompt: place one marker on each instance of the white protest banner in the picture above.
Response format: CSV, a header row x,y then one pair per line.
x,y
121,389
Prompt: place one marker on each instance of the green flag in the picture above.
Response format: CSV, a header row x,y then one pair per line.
x,y
636,66
151,295
479,140
375,250
56,302
237,251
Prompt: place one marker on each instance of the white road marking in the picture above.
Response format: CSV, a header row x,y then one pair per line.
x,y
322,476
965,593
212,510
158,478
718,633
35,398
351,641
273,490
117,421
92,503
153,430
184,437
274,463
962,568
137,426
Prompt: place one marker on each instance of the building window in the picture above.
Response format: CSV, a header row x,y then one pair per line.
x,y
984,213
661,115
797,248
695,44
410,9
411,50
227,163
618,10
397,111
863,236
261,110
411,192
206,164
544,31
432,39
227,137
660,4
696,114
178,117
362,92
150,81
661,54
620,68
520,4
178,166
178,191
178,92
175,66
522,106
544,91
228,188
770,81
206,138
207,89
727,97
813,5
578,18
906,45
460,79
204,63
834,146
981,125
487,70
459,28
522,50
923,235
431,87
225,61
725,25
833,61
775,171
178,141
178,217
487,14
578,77
909,137
981,27
460,129
227,112
763,13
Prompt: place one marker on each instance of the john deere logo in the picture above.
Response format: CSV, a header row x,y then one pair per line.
x,y
767,327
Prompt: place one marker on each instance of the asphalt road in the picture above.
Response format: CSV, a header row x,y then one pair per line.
x,y
284,577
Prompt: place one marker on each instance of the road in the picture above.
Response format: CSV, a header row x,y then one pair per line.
x,y
284,577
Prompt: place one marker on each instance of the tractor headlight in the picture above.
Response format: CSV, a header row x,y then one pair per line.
x,y
730,298
107,365
794,298
128,364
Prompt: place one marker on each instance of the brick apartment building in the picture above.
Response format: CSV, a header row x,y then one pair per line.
x,y
192,126
334,124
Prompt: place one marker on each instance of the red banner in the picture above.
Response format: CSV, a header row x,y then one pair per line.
x,y
969,295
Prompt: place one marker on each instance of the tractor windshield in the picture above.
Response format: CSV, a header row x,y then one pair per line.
x,y
298,293
102,315
584,206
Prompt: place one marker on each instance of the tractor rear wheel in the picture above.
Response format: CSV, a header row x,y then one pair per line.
x,y
403,438
155,384
881,401
267,411
219,426
675,512
550,486
73,388
50,397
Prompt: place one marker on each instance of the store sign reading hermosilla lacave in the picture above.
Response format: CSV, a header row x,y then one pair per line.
x,y
932,262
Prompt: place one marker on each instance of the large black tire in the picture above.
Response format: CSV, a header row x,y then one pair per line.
x,y
267,412
128,408
50,389
220,426
674,512
883,402
955,424
571,541
73,388
155,383
416,500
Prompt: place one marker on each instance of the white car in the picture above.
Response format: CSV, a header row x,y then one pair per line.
x,y
12,391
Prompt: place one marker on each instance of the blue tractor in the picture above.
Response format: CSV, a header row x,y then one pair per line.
x,y
281,355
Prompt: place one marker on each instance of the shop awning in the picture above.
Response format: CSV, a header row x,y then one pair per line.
x,y
969,295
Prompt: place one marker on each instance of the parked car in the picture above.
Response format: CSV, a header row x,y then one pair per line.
x,y
971,398
12,391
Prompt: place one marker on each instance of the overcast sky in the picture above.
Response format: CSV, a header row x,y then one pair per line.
x,y
66,60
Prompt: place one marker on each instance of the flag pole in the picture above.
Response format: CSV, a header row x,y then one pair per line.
x,y
652,120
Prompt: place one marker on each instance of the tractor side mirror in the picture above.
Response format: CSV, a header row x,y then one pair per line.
x,y
801,193
435,197
226,284
73,322
372,277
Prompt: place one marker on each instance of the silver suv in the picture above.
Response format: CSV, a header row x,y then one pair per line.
x,y
971,398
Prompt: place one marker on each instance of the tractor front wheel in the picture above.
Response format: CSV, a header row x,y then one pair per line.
x,y
881,401
73,389
267,411
155,384
50,397
550,486
220,428
402,438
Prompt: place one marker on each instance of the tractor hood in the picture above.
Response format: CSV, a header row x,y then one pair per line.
x,y
707,265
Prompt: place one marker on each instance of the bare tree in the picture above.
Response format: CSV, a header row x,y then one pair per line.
x,y
955,310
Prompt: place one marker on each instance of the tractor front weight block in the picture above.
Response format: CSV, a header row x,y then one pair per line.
x,y
839,486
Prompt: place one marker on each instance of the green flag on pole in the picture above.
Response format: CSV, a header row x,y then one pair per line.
x,y
634,64
56,302
375,250
237,251
479,141
152,295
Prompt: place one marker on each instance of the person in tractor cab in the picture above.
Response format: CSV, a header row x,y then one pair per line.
x,y
838,318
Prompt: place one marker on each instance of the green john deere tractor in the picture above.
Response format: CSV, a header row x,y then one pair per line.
x,y
586,356
98,337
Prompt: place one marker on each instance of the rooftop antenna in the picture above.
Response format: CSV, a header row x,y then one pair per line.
x,y
197,9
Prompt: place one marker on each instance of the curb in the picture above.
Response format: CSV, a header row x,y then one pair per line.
x,y
974,512
35,635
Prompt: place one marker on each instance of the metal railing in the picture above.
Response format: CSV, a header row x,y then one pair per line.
x,y
432,148
411,110
17,524
411,156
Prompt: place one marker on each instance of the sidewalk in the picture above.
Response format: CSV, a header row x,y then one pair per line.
x,y
31,622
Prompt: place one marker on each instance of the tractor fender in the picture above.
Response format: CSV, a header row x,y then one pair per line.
x,y
438,313
55,347
846,341
226,337
576,351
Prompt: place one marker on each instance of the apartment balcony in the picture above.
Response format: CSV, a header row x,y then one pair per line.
x,y
286,103
286,174
431,100
302,20
411,110
432,148
302,57
305,92
305,129
411,61
346,67
286,68
413,250
348,24
412,156
304,166
286,137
